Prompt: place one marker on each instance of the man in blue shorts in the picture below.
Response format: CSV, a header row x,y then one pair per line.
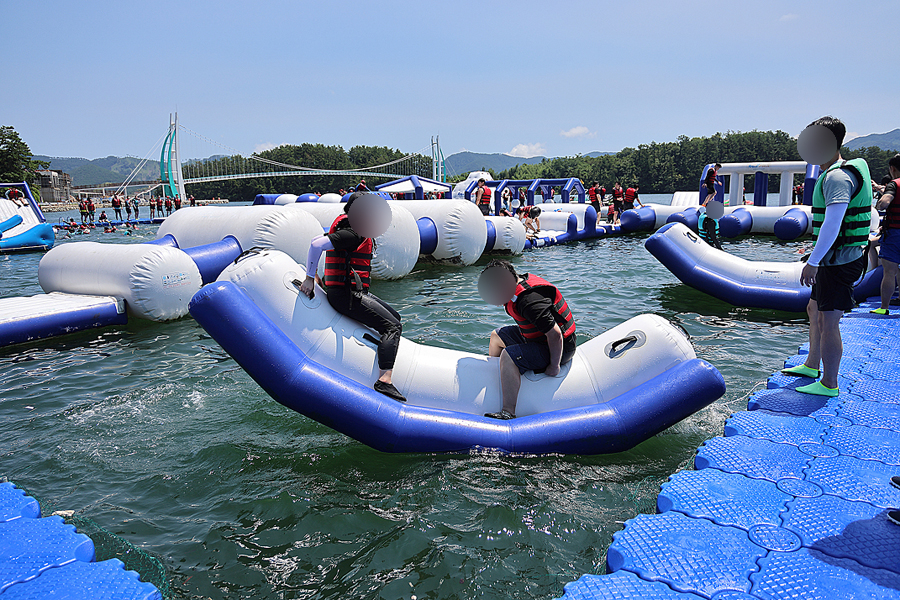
x,y
890,236
543,338
841,211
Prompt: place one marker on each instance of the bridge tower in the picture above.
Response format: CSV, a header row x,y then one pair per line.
x,y
170,162
437,160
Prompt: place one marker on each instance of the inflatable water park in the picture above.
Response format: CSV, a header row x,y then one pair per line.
x,y
790,502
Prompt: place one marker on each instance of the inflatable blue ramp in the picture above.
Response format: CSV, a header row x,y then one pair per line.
x,y
791,503
46,558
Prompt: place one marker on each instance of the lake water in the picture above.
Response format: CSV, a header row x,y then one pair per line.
x,y
156,434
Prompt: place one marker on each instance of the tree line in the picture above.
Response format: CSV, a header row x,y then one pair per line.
x,y
318,156
664,168
16,161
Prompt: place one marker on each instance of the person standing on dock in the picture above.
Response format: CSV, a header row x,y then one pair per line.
x,y
117,207
711,182
543,338
841,211
890,236
136,207
592,197
152,208
618,195
127,209
348,248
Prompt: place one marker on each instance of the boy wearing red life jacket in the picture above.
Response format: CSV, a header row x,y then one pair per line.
x,y
543,338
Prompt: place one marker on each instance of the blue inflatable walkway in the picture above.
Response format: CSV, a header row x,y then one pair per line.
x,y
45,558
791,503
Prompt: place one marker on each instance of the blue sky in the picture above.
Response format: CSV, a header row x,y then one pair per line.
x,y
96,78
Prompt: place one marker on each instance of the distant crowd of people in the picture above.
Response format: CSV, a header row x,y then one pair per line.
x,y
159,207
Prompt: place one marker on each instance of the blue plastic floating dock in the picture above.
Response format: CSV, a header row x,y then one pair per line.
x,y
46,558
791,503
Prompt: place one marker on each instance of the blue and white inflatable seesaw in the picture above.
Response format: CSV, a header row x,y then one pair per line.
x,y
621,387
23,228
745,283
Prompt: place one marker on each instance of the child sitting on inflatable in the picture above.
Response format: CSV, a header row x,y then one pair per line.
x,y
348,247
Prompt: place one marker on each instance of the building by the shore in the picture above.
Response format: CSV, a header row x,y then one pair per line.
x,y
56,186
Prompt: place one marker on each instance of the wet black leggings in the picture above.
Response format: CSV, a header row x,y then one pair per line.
x,y
375,313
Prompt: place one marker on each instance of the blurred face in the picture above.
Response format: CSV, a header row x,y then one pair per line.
x,y
496,286
370,215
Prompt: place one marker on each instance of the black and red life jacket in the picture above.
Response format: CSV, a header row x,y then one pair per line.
x,y
561,313
116,203
892,215
617,193
340,265
629,195
592,194
485,195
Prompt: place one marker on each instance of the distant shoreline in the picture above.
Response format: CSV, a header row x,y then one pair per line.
x,y
64,206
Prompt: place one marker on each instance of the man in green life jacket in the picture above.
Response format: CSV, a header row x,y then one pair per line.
x,y
841,212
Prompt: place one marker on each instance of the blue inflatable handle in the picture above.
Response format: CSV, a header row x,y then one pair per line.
x,y
791,224
590,220
491,235
10,223
265,199
572,225
739,222
167,241
428,235
310,197
297,382
638,219
211,259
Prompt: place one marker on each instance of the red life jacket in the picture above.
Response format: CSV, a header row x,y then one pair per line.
x,y
159,204
592,194
561,313
892,216
617,193
629,195
116,203
485,196
340,265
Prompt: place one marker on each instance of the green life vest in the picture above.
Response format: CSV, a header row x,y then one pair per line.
x,y
857,218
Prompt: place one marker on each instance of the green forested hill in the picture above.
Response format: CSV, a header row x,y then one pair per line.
x,y
111,169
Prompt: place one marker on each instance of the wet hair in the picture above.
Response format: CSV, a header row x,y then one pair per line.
x,y
895,162
499,262
535,212
718,165
835,126
350,200
482,180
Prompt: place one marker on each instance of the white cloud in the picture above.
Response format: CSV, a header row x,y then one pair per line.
x,y
527,150
266,146
578,131
789,17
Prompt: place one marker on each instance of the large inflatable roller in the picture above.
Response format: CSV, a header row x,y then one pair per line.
x,y
156,282
508,235
461,233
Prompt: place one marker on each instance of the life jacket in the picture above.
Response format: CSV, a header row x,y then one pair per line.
x,y
341,265
857,218
617,193
485,196
892,216
116,203
592,194
561,313
629,195
168,203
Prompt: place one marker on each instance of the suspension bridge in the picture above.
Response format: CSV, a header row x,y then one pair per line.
x,y
229,164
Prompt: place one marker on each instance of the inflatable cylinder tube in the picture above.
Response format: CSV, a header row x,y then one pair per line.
x,y
274,199
396,250
462,233
558,223
428,235
156,282
252,226
167,240
509,235
792,225
739,222
638,219
11,222
688,217
211,259
491,236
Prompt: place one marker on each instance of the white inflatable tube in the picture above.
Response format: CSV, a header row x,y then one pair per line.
x,y
449,379
509,235
396,250
285,199
156,282
260,226
330,198
574,208
461,232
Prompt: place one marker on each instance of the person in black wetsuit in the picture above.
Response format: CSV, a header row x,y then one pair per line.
x,y
543,338
348,260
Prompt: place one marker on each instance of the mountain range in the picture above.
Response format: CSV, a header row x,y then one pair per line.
x,y
885,141
112,169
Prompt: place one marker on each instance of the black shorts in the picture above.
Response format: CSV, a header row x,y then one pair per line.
x,y
617,204
833,289
596,205
711,188
628,205
485,209
532,356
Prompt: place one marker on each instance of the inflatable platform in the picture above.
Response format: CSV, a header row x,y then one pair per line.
x,y
23,227
620,388
745,283
46,315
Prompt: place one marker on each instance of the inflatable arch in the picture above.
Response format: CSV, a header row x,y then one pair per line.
x,y
414,187
761,172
